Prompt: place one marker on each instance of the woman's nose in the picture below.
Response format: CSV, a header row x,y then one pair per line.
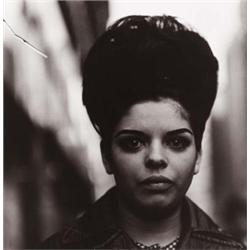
x,y
155,157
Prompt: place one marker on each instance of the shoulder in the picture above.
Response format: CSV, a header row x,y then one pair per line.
x,y
205,234
93,228
68,238
214,240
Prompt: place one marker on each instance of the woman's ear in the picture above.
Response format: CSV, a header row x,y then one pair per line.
x,y
106,157
197,163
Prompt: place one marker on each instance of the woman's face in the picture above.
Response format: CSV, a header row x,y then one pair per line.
x,y
153,155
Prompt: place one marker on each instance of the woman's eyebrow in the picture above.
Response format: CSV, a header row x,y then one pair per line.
x,y
179,131
129,131
139,133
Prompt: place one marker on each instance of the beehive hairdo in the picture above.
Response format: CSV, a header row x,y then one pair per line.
x,y
142,58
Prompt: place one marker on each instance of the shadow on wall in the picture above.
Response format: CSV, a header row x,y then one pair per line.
x,y
47,179
230,143
47,190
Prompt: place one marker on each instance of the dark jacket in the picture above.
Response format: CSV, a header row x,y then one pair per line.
x,y
98,229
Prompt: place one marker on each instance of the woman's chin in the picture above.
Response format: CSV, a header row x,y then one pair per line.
x,y
155,207
156,204
151,205
157,200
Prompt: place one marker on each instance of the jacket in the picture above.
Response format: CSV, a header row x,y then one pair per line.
x,y
98,229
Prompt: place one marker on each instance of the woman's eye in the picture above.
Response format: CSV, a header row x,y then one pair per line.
x,y
131,144
178,143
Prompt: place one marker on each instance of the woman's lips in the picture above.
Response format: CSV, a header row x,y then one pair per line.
x,y
157,183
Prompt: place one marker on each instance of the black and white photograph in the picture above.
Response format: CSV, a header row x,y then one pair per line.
x,y
125,124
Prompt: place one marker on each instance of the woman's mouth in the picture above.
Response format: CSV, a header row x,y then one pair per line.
x,y
156,183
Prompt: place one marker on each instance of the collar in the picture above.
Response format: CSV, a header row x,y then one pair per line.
x,y
99,226
194,220
198,220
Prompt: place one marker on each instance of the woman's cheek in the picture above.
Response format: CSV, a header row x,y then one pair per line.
x,y
182,162
127,163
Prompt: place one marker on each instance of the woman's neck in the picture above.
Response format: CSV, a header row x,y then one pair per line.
x,y
161,230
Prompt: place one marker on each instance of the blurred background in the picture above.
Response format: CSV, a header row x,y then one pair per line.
x,y
52,164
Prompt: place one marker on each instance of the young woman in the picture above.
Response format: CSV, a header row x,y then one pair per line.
x,y
149,84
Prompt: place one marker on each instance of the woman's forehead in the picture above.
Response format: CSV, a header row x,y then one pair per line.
x,y
163,114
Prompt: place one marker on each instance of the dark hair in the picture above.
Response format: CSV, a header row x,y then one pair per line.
x,y
143,58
